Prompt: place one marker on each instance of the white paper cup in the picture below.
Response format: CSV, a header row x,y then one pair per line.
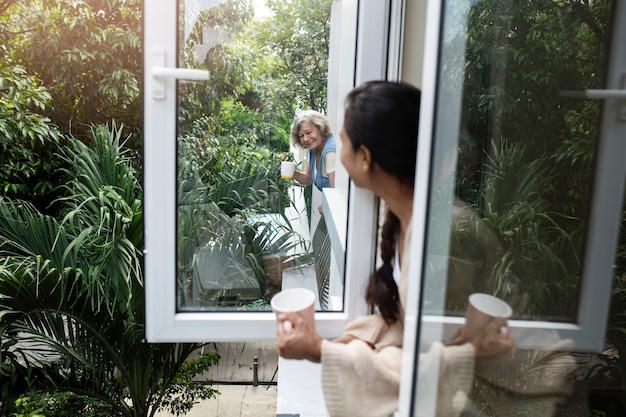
x,y
296,300
482,309
287,169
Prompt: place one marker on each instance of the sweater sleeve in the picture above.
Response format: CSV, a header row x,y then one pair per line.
x,y
456,376
358,380
367,328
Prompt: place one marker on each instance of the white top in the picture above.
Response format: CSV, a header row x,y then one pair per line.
x,y
396,268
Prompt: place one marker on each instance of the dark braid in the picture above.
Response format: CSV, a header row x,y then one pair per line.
x,y
382,290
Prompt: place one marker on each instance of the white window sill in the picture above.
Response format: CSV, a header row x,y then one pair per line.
x,y
299,390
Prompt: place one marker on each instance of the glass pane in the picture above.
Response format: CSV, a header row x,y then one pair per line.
x,y
245,232
514,152
513,162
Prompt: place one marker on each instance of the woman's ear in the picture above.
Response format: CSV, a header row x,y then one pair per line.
x,y
366,158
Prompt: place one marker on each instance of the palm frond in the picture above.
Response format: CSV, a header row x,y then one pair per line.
x,y
24,231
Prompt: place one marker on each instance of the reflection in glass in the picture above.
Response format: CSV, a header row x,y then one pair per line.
x,y
243,231
516,154
514,159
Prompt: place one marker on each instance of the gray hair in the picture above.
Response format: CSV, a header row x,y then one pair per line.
x,y
316,118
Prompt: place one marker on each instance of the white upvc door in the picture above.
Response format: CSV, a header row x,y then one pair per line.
x,y
358,52
573,318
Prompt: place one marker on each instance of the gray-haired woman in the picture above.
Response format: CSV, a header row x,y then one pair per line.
x,y
310,129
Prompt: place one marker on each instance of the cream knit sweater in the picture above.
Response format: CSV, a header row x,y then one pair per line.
x,y
360,381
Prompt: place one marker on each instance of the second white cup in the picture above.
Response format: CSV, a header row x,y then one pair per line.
x,y
482,309
287,169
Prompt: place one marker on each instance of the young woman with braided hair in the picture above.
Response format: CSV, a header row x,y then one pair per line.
x,y
361,369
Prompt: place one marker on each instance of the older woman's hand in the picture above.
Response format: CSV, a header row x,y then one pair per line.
x,y
296,339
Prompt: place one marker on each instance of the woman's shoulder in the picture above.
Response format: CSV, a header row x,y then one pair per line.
x,y
331,144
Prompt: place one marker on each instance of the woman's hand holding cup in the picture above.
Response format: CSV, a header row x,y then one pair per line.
x,y
486,328
296,339
495,343
295,326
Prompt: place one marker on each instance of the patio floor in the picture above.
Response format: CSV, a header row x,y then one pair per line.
x,y
236,401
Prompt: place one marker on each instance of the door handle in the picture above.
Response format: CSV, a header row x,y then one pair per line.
x,y
609,94
180,73
594,94
605,94
162,73
597,94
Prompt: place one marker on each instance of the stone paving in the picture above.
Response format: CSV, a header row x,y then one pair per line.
x,y
236,401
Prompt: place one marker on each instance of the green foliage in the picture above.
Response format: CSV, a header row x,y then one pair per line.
x,y
539,45
27,137
104,212
528,149
180,396
269,67
22,96
14,369
260,127
296,49
73,288
520,58
65,66
228,77
27,408
540,247
87,54
60,404
232,203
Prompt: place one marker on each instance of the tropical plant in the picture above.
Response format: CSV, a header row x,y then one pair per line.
x,y
528,149
65,66
538,252
60,404
234,215
72,289
27,136
86,53
26,407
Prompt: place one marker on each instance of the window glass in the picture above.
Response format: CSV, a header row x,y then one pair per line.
x,y
519,160
244,231
514,155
